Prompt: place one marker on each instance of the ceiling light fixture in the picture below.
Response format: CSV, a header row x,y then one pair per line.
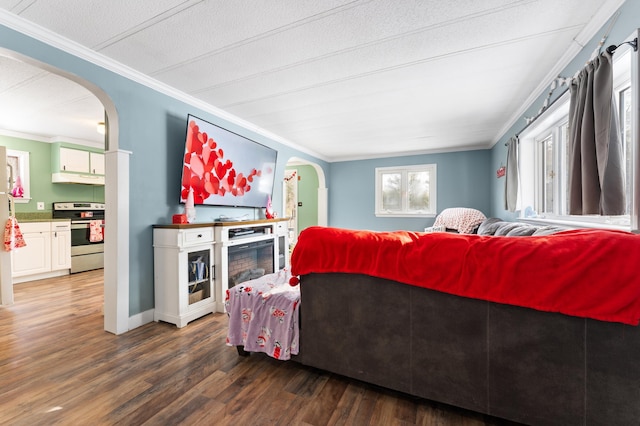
x,y
100,129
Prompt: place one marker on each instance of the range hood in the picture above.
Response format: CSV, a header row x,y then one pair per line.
x,y
82,178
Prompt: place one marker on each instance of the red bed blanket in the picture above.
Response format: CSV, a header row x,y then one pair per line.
x,y
585,273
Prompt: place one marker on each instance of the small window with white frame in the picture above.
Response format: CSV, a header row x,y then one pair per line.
x,y
406,191
18,175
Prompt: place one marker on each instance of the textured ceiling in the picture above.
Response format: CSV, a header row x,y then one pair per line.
x,y
337,78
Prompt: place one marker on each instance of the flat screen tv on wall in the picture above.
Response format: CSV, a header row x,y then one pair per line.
x,y
224,168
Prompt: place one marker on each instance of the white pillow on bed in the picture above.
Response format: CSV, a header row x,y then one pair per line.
x,y
462,219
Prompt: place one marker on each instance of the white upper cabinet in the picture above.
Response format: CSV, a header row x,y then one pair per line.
x,y
96,163
74,160
77,165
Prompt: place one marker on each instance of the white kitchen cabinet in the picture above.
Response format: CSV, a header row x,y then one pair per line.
x,y
47,252
60,245
74,160
183,274
96,163
76,165
35,257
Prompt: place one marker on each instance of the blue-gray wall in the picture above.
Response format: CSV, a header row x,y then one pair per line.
x,y
623,26
463,181
152,126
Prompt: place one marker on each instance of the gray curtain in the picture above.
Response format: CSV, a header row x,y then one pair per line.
x,y
596,171
511,181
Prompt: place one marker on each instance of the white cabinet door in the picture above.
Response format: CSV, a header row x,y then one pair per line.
x,y
97,163
35,257
60,247
74,160
183,274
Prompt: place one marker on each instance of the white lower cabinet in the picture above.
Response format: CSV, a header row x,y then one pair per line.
x,y
60,246
183,274
47,252
35,257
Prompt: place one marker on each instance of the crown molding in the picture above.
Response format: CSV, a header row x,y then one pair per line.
x,y
27,136
53,139
71,47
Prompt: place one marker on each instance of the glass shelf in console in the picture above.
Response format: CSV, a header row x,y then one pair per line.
x,y
199,264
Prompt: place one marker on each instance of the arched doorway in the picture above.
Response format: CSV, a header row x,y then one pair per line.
x,y
116,271
292,204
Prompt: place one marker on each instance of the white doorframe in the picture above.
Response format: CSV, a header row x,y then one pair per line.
x,y
323,191
6,282
293,219
116,244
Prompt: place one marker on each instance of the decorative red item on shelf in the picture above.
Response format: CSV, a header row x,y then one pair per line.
x,y
180,218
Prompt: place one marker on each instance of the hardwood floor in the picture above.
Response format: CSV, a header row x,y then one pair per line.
x,y
58,366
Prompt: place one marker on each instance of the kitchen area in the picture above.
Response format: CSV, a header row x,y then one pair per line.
x,y
57,193
54,131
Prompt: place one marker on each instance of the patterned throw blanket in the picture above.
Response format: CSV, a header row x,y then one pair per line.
x,y
463,220
584,273
263,315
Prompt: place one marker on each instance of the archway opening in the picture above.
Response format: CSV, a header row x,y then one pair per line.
x,y
304,185
116,276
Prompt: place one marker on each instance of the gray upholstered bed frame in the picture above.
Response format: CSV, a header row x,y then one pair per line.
x,y
515,363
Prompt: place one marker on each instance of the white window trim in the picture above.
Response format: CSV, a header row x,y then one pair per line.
x,y
538,156
530,181
23,161
530,176
431,168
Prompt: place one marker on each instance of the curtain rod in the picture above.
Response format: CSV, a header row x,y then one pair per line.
x,y
633,43
536,117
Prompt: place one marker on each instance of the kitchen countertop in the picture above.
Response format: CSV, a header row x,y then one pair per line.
x,y
41,220
37,217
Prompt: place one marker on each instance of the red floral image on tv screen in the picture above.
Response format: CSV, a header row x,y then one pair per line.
x,y
224,168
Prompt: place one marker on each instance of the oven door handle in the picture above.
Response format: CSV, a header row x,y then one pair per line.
x,y
79,225
82,222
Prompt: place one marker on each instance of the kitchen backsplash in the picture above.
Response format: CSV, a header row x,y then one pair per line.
x,y
34,216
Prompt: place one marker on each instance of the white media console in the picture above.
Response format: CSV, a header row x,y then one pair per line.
x,y
195,264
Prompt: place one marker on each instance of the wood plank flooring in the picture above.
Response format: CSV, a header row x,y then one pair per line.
x,y
59,367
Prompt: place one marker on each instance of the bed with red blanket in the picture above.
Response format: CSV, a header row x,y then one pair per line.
x,y
537,329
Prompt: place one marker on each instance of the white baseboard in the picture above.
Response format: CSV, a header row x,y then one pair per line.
x,y
42,276
141,319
